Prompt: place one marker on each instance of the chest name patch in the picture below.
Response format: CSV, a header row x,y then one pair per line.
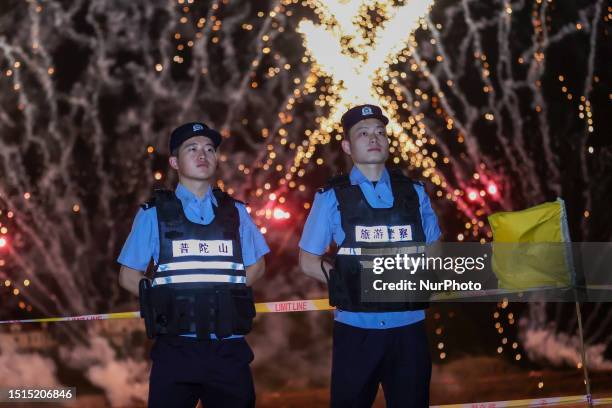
x,y
383,233
196,247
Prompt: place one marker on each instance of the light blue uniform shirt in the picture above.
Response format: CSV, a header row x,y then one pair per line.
x,y
143,242
324,224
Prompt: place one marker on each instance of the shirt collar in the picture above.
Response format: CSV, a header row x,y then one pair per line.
x,y
356,177
185,195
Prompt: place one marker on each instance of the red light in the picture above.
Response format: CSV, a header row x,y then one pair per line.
x,y
280,214
472,195
492,189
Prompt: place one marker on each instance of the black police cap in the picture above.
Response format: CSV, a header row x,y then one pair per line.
x,y
359,113
191,129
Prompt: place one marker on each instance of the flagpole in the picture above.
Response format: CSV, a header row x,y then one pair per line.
x,y
578,281
587,383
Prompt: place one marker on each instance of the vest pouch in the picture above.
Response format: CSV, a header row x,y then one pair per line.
x,y
422,300
338,293
423,297
146,310
409,299
205,312
345,283
225,313
184,311
244,310
162,304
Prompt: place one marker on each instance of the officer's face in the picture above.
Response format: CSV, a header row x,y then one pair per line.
x,y
367,142
196,159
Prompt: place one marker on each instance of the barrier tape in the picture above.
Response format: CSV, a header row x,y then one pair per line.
x,y
307,305
293,306
288,306
103,316
534,402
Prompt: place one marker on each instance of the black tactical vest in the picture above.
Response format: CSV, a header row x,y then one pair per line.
x,y
373,232
199,285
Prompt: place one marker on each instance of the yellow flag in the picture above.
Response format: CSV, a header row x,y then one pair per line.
x,y
529,249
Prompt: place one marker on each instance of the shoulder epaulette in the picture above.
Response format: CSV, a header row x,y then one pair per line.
x,y
341,180
221,195
147,205
157,195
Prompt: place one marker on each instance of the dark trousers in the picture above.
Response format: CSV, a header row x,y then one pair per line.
x,y
215,371
396,358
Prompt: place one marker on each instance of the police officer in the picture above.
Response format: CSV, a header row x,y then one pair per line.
x,y
373,343
207,252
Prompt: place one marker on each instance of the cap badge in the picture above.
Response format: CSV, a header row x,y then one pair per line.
x,y
366,110
197,127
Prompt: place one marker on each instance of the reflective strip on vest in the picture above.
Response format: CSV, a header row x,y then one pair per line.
x,y
381,251
349,251
177,266
199,278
